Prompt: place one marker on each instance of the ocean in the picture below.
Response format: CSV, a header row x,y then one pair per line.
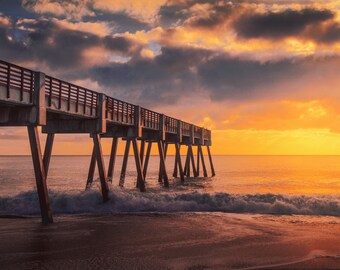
x,y
303,185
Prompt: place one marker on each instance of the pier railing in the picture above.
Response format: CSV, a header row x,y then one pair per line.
x,y
65,96
18,81
119,111
150,119
171,124
60,96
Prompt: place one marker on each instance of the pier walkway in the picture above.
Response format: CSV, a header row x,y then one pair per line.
x,y
30,98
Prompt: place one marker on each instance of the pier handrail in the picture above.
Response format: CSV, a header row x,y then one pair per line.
x,y
69,92
150,119
119,111
62,95
13,76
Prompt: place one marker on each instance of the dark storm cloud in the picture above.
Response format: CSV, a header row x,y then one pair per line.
x,y
120,44
59,48
120,22
162,79
14,9
218,15
181,72
177,13
279,25
234,78
330,34
10,50
172,15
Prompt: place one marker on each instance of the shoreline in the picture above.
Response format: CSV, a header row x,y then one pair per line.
x,y
171,241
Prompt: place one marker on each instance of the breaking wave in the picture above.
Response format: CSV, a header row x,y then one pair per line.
x,y
121,201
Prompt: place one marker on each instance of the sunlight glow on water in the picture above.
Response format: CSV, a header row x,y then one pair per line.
x,y
235,175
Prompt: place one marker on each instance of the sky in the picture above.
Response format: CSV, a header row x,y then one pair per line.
x,y
263,75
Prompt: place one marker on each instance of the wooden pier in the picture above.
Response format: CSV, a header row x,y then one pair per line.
x,y
30,98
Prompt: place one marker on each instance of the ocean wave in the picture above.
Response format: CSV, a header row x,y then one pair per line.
x,y
121,201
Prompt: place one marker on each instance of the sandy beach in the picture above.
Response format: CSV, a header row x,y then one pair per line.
x,y
171,241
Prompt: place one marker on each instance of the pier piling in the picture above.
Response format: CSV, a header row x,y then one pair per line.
x,y
112,161
40,175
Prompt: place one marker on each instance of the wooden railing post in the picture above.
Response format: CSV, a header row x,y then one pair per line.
x,y
192,134
138,122
162,127
38,114
202,136
100,113
179,131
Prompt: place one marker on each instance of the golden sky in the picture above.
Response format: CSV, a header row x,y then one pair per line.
x,y
263,75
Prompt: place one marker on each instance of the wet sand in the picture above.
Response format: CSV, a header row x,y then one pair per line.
x,y
171,241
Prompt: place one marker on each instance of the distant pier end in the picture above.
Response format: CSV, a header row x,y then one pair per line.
x,y
30,98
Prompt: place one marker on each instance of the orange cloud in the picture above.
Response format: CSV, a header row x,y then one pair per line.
x,y
144,10
71,9
98,28
5,21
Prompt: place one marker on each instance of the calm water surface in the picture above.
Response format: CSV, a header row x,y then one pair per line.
x,y
235,175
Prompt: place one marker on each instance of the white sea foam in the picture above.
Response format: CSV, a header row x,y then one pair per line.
x,y
26,203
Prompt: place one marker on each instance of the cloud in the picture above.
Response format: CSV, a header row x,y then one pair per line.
x,y
209,16
163,78
120,44
179,72
235,78
97,28
5,21
71,9
143,10
281,24
54,46
328,34
118,22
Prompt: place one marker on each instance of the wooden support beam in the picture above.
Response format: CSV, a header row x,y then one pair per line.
x,y
147,157
211,162
193,161
101,167
198,162
140,177
112,158
175,174
160,175
166,150
205,174
48,152
40,175
91,169
163,166
187,163
141,156
125,161
179,161
142,151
